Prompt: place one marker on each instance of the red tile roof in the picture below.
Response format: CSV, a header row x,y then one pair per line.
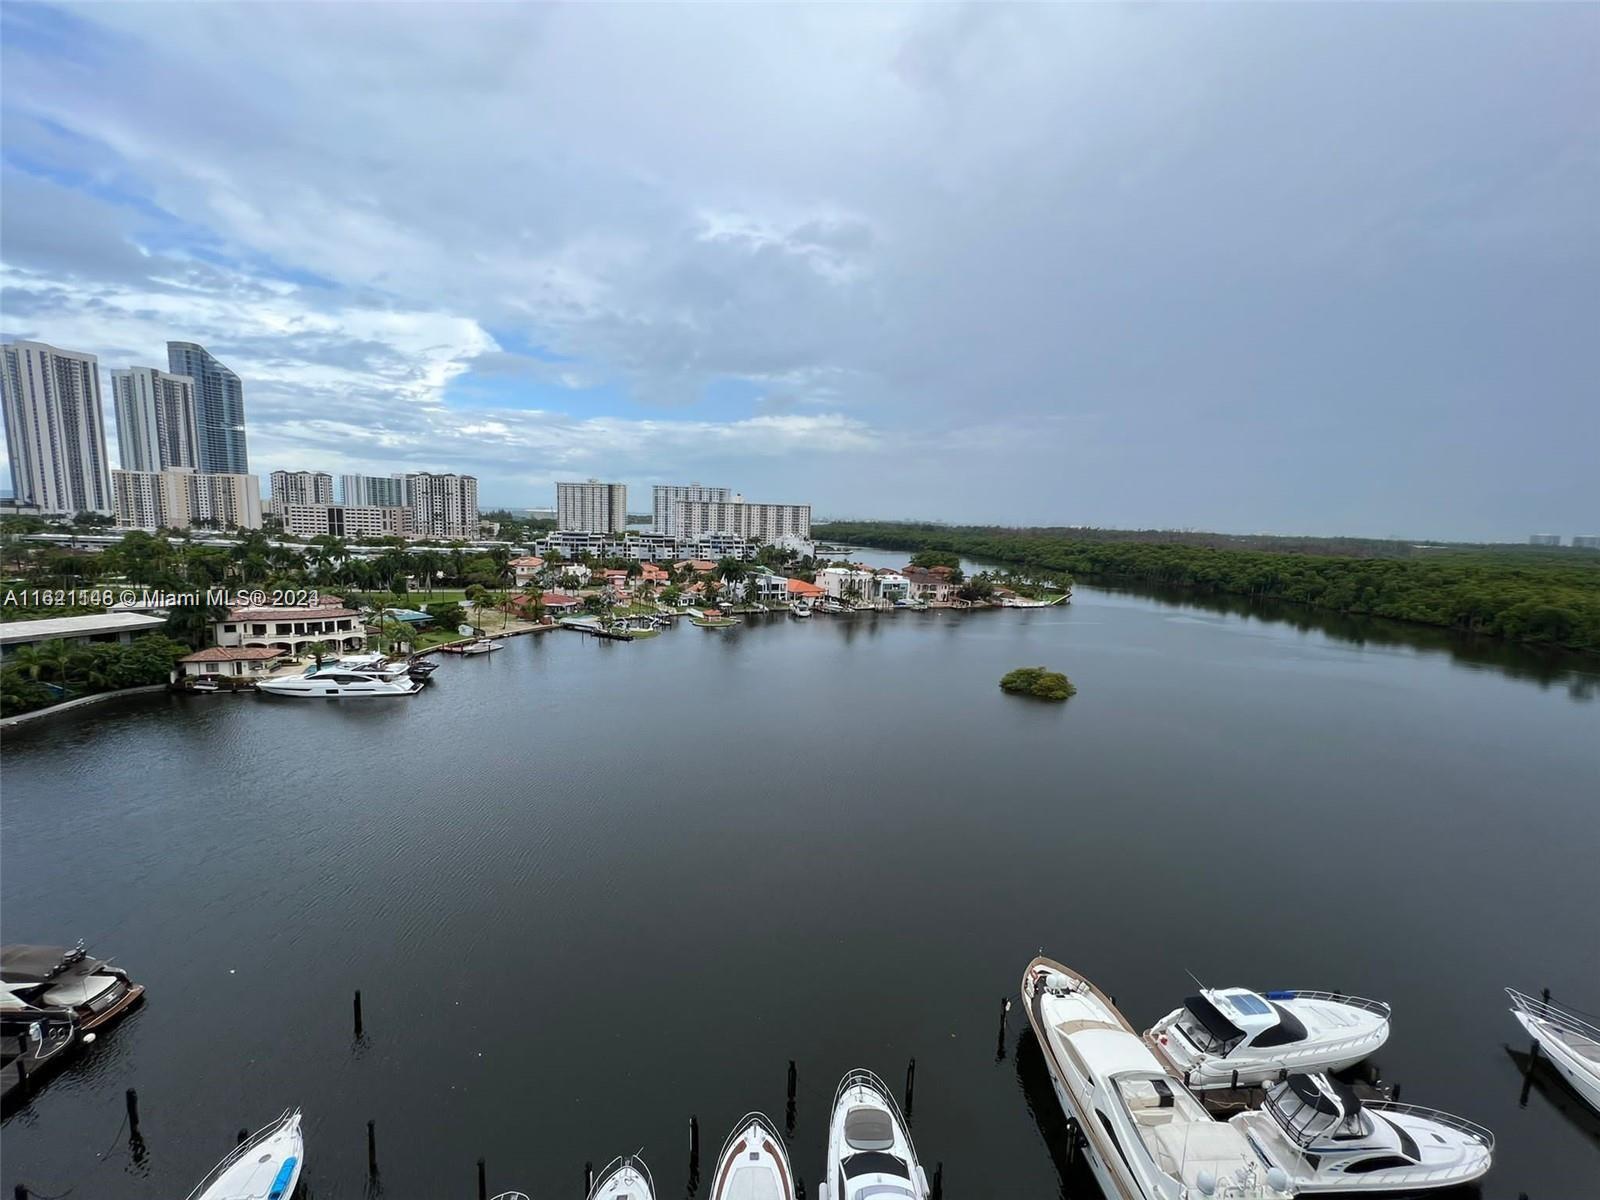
x,y
799,587
233,654
288,614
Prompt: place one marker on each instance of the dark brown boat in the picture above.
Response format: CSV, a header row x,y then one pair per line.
x,y
41,981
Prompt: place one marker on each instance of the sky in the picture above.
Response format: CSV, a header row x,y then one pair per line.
x,y
1309,268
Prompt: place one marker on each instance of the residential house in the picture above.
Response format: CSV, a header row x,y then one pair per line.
x,y
231,662
526,568
292,629
931,585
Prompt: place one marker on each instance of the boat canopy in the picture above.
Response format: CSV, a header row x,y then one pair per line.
x,y
40,964
1313,1107
1212,1020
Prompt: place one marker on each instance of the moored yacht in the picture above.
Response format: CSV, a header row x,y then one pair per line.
x,y
752,1164
1327,1139
1145,1135
40,981
265,1166
800,608
1232,1036
624,1179
869,1146
482,646
340,683
1571,1043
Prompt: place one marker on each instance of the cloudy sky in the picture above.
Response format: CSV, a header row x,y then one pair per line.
x,y
1315,268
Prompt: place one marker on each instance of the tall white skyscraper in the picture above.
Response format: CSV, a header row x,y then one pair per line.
x,y
592,507
752,520
155,419
179,498
55,428
665,495
374,491
442,506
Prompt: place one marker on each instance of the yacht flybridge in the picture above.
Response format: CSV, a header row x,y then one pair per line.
x,y
46,981
1145,1135
1329,1140
624,1179
752,1164
869,1146
1571,1043
1262,1035
265,1166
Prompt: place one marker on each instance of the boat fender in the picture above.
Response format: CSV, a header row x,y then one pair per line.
x,y
1206,1182
1055,981
922,1180
1278,1179
822,1191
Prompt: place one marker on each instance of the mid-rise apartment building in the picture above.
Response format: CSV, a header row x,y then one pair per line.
x,y
298,488
179,498
373,491
55,431
155,419
346,520
665,495
442,505
592,507
756,522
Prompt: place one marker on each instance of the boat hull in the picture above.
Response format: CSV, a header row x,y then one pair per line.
x,y
1582,1078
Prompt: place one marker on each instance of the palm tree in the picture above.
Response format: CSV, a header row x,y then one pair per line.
x,y
28,660
319,651
192,623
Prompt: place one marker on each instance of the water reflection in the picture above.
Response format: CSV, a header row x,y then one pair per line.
x,y
1074,1178
1539,1076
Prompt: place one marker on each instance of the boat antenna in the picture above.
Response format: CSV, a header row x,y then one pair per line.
x,y
1194,977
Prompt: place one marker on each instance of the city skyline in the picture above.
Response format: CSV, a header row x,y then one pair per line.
x,y
892,280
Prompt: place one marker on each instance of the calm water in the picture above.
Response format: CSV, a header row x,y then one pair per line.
x,y
589,888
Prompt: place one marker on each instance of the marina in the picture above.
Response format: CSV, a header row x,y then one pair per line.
x,y
478,860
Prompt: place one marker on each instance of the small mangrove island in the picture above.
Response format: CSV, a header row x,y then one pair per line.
x,y
1038,682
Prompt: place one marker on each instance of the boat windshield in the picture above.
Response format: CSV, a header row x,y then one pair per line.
x,y
1207,1028
1286,1032
1312,1110
874,1162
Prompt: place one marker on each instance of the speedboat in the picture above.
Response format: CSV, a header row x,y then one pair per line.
x,y
339,682
1145,1134
869,1146
1227,1037
800,609
1327,1139
481,647
41,981
1571,1043
624,1179
265,1166
752,1164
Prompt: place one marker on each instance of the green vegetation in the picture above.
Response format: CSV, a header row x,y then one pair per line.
x,y
1038,682
36,676
1546,599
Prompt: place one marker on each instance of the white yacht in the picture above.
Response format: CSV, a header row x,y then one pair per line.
x,y
1571,1043
1327,1139
624,1179
370,663
482,646
800,608
266,1166
1260,1036
1145,1135
869,1146
752,1164
339,682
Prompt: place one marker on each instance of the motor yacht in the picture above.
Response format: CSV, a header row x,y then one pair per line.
x,y
800,609
1227,1037
43,981
265,1166
1571,1043
869,1145
339,683
1145,1135
367,664
752,1164
624,1179
1327,1139
483,646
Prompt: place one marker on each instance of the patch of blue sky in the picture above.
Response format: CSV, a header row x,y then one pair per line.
x,y
48,32
496,390
513,341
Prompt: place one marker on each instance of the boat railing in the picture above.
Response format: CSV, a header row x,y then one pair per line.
x,y
239,1151
750,1118
1460,1124
1361,1002
1553,1014
625,1162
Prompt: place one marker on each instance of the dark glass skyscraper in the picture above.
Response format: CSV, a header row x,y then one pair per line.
x,y
218,408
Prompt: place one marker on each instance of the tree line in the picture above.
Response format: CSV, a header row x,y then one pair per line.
x,y
1547,600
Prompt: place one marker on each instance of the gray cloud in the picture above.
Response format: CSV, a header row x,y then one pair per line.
x,y
1302,267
